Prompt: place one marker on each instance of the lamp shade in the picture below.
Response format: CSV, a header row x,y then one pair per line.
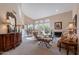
x,y
8,21
71,26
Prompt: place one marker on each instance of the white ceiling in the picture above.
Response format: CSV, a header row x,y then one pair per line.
x,y
40,10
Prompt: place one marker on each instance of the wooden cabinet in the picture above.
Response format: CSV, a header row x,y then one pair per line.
x,y
9,41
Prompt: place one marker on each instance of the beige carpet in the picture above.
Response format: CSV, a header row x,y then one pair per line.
x,y
30,47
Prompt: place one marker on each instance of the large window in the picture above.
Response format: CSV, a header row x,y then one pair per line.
x,y
30,26
36,26
26,26
43,25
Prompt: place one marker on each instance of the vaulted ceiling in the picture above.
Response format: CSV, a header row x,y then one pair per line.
x,y
40,10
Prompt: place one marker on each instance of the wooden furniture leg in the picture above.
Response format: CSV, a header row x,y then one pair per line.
x,y
67,48
60,47
75,48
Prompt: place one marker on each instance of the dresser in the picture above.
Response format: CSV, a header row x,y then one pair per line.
x,y
9,41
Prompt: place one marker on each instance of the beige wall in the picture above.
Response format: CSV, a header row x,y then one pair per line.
x,y
65,18
9,7
76,11
22,19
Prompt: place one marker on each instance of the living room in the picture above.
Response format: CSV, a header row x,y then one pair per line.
x,y
38,28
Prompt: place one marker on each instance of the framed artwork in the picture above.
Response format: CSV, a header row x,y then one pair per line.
x,y
58,25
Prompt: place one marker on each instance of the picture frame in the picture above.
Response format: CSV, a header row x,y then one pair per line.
x,y
58,25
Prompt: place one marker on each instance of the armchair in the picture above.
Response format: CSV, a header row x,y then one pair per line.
x,y
68,40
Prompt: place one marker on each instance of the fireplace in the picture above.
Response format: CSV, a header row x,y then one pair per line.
x,y
57,34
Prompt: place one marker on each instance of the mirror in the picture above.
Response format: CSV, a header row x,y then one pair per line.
x,y
11,21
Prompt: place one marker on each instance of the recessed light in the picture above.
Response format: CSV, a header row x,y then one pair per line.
x,y
57,10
